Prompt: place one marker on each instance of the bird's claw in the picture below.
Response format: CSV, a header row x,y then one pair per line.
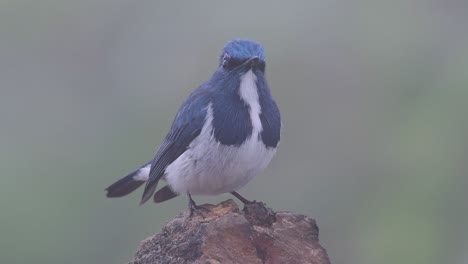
x,y
200,210
193,207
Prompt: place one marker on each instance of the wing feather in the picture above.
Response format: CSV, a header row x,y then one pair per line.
x,y
187,125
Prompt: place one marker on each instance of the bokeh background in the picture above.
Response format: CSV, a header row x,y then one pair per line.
x,y
373,97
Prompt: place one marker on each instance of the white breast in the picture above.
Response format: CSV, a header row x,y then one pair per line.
x,y
248,93
210,168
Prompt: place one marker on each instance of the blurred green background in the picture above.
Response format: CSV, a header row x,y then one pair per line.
x,y
373,97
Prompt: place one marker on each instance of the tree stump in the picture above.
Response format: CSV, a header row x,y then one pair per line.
x,y
225,234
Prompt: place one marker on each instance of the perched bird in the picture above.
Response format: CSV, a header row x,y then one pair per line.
x,y
224,134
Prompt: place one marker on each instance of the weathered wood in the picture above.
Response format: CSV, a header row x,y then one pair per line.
x,y
224,234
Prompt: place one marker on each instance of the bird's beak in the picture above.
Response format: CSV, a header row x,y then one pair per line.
x,y
252,61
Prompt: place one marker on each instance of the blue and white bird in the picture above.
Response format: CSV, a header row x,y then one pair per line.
x,y
224,134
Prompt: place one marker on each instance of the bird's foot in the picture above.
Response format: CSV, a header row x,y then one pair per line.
x,y
193,207
242,199
259,214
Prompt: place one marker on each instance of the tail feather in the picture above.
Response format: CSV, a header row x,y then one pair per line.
x,y
164,194
129,183
149,190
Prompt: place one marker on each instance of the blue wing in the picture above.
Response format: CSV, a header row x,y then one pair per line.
x,y
270,116
187,125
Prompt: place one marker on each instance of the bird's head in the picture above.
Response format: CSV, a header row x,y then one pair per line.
x,y
242,55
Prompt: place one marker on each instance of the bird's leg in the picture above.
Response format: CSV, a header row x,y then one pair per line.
x,y
242,199
194,207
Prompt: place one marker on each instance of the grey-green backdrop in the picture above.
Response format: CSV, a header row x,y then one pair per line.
x,y
373,96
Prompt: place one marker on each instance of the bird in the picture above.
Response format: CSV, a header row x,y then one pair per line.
x,y
224,134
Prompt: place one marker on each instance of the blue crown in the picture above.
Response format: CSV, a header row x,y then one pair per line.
x,y
244,49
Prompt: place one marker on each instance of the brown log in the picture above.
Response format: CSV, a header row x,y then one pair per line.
x,y
225,234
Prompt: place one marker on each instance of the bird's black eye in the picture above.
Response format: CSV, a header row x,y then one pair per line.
x,y
261,66
231,63
225,59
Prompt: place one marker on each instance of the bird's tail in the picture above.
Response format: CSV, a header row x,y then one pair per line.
x,y
130,182
164,194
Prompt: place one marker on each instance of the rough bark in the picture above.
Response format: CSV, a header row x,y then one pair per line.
x,y
224,234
